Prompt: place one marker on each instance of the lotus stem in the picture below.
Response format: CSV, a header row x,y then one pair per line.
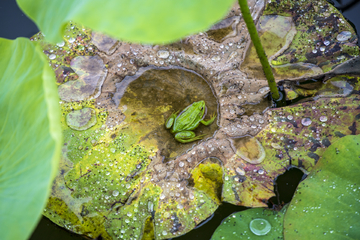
x,y
259,48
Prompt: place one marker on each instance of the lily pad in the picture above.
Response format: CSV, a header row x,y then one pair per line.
x,y
326,204
92,73
257,223
31,139
317,41
128,157
302,39
296,136
81,119
136,21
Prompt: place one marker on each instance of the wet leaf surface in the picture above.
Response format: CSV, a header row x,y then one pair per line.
x,y
130,176
329,193
91,73
257,223
81,119
302,38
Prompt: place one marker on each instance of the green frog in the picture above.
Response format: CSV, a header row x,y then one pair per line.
x,y
188,119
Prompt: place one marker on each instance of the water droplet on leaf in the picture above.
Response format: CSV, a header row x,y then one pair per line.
x,y
306,121
343,36
52,56
163,54
260,226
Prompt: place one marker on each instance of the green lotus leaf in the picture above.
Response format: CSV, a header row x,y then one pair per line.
x,y
136,20
256,223
30,136
326,204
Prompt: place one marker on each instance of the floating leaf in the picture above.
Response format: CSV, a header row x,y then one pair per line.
x,y
257,223
137,21
81,119
326,204
302,38
296,136
30,136
128,157
92,73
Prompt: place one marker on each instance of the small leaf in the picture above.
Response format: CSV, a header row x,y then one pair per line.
x,y
136,20
30,136
326,204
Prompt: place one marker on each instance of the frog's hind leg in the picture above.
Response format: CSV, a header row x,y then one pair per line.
x,y
210,121
187,136
170,121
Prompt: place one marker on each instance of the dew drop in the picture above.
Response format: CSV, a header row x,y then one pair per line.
x,y
181,164
306,121
260,226
216,58
322,48
163,54
323,119
343,36
240,171
314,51
52,56
61,44
115,193
326,43
150,207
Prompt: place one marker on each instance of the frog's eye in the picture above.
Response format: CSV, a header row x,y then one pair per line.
x,y
201,108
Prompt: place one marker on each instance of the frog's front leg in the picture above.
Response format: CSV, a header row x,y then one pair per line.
x,y
210,121
187,136
170,120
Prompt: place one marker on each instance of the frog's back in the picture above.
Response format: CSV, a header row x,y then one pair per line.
x,y
188,119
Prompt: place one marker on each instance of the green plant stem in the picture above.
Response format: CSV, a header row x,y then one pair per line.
x,y
259,48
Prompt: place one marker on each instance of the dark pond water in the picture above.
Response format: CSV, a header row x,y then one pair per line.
x,y
15,24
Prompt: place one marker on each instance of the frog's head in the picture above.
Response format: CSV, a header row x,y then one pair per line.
x,y
200,107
